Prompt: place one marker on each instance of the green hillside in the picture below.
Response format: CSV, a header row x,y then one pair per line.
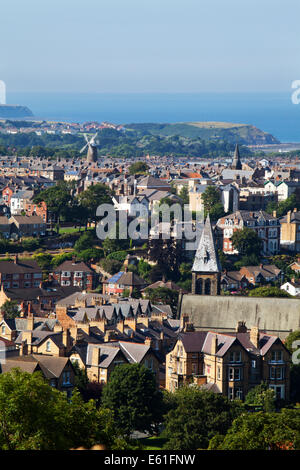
x,y
233,133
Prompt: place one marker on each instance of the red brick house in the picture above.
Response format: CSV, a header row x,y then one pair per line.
x,y
7,193
121,281
20,274
36,209
75,273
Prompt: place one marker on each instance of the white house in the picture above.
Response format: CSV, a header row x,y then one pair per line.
x,y
291,287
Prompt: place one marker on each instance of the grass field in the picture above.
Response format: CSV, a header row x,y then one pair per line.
x,y
72,229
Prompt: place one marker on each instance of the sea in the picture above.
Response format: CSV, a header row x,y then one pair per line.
x,y
273,112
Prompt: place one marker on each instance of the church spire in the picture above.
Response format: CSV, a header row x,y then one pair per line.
x,y
236,162
206,258
206,270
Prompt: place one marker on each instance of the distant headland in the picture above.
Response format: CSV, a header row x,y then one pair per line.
x,y
10,111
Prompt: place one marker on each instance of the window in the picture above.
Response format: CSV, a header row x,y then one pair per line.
x,y
37,275
194,368
230,393
234,373
66,378
3,330
235,356
15,276
253,364
53,382
279,390
239,393
207,287
219,373
276,373
276,356
48,346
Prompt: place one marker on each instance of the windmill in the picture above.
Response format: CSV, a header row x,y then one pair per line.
x,y
92,148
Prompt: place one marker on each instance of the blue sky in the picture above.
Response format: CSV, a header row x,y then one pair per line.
x,y
149,45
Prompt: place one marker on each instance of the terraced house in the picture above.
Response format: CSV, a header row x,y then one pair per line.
x,y
20,274
229,363
267,227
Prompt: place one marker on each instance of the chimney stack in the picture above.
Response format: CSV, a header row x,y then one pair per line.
x,y
95,356
214,344
30,320
241,327
148,342
254,336
183,320
27,340
66,339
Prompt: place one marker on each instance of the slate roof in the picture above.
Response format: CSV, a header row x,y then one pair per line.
x,y
206,258
72,266
21,267
106,356
193,341
126,279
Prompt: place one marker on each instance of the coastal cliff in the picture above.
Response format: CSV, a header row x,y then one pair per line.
x,y
10,111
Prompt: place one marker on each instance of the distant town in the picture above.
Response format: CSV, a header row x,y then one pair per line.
x,y
122,322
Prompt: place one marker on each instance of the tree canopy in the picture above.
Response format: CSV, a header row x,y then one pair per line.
x,y
132,395
196,416
36,416
261,431
247,241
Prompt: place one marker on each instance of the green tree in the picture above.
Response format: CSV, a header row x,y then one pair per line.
x,y
36,416
58,198
85,241
212,203
184,195
247,241
293,336
138,168
283,207
163,295
293,347
196,417
261,431
268,291
44,260
93,197
261,396
132,395
111,266
10,309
